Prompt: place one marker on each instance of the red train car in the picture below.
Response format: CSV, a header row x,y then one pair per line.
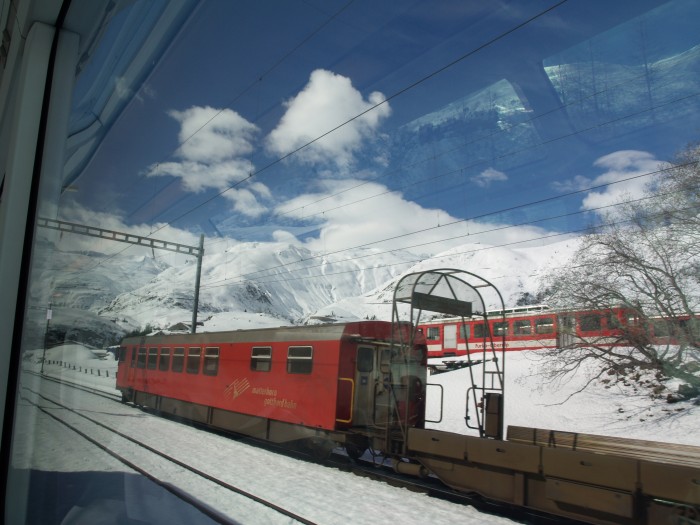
x,y
321,382
528,328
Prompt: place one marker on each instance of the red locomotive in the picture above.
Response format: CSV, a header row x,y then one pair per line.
x,y
326,385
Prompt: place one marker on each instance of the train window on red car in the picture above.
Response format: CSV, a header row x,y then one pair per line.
x,y
522,327
178,359
122,354
481,330
464,331
544,325
261,359
299,360
194,356
500,328
152,358
211,362
433,333
141,361
133,357
164,363
590,323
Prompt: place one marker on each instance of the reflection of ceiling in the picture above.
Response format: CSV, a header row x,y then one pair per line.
x,y
121,42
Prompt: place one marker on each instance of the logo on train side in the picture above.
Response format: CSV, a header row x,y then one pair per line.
x,y
236,388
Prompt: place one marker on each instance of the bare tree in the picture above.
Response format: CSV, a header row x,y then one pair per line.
x,y
646,258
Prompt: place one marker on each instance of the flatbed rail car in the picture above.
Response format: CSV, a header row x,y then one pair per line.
x,y
540,328
328,385
596,479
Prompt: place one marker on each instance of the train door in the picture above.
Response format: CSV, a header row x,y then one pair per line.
x,y
366,384
566,331
449,339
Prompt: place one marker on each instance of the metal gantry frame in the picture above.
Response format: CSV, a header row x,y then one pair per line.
x,y
462,295
138,240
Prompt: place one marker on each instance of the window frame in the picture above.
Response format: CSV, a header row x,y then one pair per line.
x,y
300,364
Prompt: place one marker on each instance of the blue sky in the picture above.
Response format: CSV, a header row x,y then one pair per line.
x,y
340,124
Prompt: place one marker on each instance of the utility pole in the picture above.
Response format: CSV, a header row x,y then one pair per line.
x,y
138,240
197,278
49,314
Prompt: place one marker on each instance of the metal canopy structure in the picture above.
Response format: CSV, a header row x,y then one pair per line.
x,y
462,295
138,240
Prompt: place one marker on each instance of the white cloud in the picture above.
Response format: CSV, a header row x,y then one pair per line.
x,y
198,176
327,101
246,200
215,144
619,166
368,213
488,176
211,135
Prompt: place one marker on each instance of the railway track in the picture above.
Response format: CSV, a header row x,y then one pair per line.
x,y
366,469
158,474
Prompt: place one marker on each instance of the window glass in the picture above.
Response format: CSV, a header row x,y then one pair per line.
x,y
194,357
299,360
481,330
318,149
365,359
522,327
500,328
211,361
141,363
122,353
544,325
152,358
433,333
261,358
178,359
164,361
590,323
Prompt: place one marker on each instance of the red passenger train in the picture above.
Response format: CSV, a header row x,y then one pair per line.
x,y
328,385
538,327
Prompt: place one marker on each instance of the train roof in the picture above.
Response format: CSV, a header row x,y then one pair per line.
x,y
321,332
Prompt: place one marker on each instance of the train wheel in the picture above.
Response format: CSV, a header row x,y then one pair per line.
x,y
355,449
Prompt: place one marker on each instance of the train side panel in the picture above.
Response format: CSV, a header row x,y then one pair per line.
x,y
295,383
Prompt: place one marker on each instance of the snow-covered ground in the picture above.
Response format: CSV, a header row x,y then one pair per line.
x,y
326,495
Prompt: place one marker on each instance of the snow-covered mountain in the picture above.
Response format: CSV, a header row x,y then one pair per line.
x,y
97,299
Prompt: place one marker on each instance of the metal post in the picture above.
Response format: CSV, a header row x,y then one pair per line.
x,y
196,284
46,336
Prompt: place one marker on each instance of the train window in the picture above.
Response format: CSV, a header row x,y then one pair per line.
x,y
152,358
194,356
122,354
544,325
481,330
611,320
365,359
211,362
590,323
433,333
164,362
299,360
178,359
522,327
500,328
662,328
141,362
261,359
464,331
